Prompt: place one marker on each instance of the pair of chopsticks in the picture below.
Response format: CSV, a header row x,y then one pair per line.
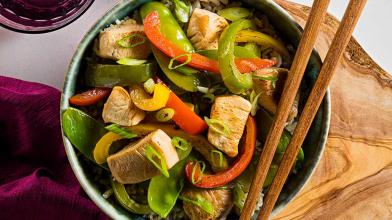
x,y
292,84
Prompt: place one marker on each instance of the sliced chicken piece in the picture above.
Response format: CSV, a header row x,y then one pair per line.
x,y
232,110
198,142
120,109
107,46
131,165
205,28
271,91
220,199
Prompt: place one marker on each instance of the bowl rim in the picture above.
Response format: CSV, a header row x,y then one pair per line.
x,y
72,71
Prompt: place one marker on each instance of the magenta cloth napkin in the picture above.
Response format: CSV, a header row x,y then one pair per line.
x,y
36,181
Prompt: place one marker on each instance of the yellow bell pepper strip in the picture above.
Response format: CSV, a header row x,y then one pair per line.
x,y
143,100
264,40
152,25
235,81
194,172
126,201
101,150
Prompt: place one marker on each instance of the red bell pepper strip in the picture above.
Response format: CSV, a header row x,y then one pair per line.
x,y
239,165
152,30
90,97
184,117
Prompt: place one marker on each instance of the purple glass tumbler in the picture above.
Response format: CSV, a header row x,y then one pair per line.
x,y
40,16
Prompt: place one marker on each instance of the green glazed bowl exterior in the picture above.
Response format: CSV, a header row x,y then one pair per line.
x,y
288,29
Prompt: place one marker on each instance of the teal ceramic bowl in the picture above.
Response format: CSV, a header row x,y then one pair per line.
x,y
287,28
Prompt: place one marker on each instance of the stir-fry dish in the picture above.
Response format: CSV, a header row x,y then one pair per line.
x,y
174,104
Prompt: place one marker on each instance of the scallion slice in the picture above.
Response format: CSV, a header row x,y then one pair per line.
x,y
188,60
165,114
220,155
197,165
218,126
209,96
127,41
161,165
184,147
130,62
200,202
149,86
254,101
123,132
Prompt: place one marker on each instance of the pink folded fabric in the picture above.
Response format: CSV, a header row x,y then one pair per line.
x,y
36,181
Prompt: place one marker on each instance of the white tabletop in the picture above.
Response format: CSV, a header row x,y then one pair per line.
x,y
45,57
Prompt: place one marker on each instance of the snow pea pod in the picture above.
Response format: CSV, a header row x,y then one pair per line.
x,y
110,75
82,131
163,191
187,82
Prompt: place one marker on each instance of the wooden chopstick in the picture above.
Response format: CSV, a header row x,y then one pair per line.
x,y
293,81
334,54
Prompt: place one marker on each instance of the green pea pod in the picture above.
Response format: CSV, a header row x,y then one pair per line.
x,y
110,75
127,202
163,191
82,131
187,82
234,80
170,29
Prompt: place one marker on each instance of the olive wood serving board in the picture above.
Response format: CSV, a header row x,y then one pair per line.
x,y
354,177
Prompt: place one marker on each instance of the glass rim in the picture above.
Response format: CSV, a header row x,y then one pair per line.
x,y
47,25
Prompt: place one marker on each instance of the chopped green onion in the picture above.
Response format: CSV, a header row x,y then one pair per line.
x,y
203,167
161,165
130,62
165,114
254,101
200,202
149,86
202,89
188,60
180,143
234,13
220,154
184,147
126,42
107,193
218,126
210,97
182,10
123,132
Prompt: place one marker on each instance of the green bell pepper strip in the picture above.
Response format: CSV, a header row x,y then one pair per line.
x,y
170,29
110,75
234,13
239,51
82,131
187,82
127,202
235,81
163,191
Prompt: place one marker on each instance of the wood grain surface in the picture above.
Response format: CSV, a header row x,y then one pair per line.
x,y
354,177
290,90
